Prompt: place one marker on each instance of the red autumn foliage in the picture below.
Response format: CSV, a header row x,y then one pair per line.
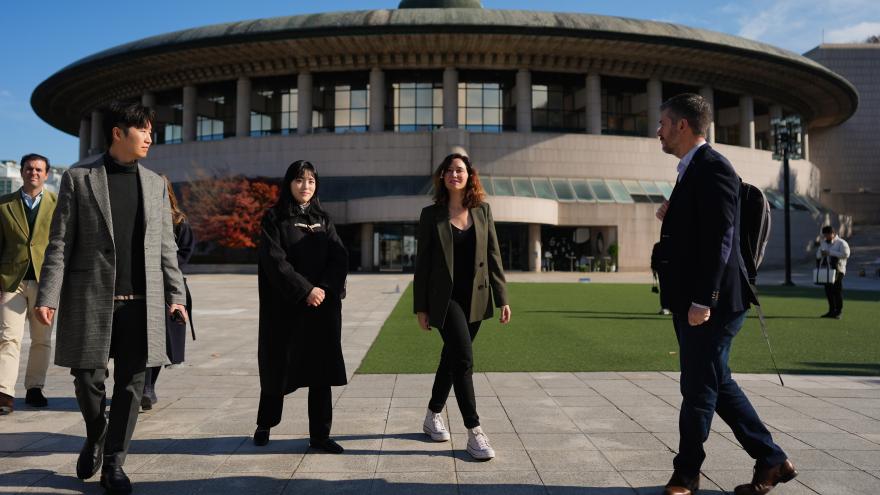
x,y
228,210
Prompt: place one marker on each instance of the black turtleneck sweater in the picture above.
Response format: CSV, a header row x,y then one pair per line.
x,y
127,211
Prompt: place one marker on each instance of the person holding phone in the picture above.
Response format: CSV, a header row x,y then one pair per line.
x,y
302,269
458,264
175,323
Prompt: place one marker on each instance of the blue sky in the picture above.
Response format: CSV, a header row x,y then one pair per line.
x,y
41,37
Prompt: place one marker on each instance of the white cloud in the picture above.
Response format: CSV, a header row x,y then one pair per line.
x,y
856,33
798,25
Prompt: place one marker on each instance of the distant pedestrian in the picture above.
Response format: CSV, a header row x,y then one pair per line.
x,y
25,217
302,270
834,251
458,275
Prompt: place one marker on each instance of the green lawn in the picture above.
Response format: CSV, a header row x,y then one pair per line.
x,y
615,327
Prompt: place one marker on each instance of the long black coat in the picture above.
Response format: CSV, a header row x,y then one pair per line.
x,y
300,345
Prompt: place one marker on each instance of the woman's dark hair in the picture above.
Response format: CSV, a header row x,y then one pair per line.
x,y
286,202
473,190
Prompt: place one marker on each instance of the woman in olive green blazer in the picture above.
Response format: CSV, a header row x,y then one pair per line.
x,y
457,266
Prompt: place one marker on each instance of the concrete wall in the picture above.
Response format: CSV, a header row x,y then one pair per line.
x,y
849,154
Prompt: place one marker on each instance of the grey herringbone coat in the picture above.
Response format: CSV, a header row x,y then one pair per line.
x,y
79,271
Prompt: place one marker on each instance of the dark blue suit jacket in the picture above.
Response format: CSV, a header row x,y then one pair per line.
x,y
700,260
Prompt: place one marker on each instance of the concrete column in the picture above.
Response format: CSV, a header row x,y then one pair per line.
x,y
97,141
746,122
523,101
243,107
535,255
594,104
806,142
655,99
450,98
84,137
708,94
190,113
377,100
304,89
367,247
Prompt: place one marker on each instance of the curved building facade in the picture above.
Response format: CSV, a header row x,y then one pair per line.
x,y
557,111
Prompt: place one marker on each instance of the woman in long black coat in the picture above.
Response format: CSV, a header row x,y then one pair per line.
x,y
302,270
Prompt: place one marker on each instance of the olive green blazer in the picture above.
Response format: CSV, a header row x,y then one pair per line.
x,y
432,283
18,247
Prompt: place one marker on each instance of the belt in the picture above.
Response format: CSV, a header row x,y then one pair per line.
x,y
131,297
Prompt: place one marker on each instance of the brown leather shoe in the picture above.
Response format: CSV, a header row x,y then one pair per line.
x,y
765,479
682,484
7,404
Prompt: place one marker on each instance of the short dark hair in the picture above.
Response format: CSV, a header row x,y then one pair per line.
x,y
827,229
691,107
124,115
31,157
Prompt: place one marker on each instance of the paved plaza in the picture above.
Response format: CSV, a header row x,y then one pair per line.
x,y
554,433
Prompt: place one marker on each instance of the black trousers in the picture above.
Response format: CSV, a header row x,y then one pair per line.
x,y
707,388
128,348
320,411
456,369
834,293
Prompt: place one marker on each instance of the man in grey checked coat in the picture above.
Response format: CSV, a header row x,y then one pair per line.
x,y
111,272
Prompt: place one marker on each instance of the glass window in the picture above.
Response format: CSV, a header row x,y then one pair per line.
x,y
216,111
582,189
665,188
636,191
168,125
274,107
416,106
486,182
563,189
342,103
603,194
543,188
654,192
618,190
777,202
523,187
502,186
624,106
484,106
558,103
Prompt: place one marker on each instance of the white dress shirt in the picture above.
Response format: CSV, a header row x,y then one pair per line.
x,y
32,202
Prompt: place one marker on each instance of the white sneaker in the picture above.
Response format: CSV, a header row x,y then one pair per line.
x,y
478,445
434,427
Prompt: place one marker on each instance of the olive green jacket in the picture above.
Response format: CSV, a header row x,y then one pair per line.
x,y
18,247
432,284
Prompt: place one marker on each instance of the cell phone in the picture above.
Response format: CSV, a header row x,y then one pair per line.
x,y
177,316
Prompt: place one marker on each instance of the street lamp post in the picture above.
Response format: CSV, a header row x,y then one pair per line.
x,y
787,144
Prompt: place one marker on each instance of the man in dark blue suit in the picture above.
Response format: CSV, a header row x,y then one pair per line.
x,y
703,281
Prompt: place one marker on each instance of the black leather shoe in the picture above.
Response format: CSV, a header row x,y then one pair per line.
x,y
146,403
827,315
90,457
114,480
261,436
327,445
35,398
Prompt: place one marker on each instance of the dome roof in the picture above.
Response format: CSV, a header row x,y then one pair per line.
x,y
440,4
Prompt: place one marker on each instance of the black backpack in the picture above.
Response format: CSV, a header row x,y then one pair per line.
x,y
754,227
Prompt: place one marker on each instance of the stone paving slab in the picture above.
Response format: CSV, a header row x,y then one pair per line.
x,y
554,433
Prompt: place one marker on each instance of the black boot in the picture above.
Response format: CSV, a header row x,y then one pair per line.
x,y
261,436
